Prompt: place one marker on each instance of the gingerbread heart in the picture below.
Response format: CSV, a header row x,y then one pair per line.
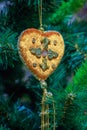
x,y
41,51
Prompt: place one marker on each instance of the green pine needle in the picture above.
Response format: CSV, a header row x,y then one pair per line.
x,y
67,8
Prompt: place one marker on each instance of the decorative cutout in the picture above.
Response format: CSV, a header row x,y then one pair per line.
x,y
53,66
34,64
44,53
55,42
36,52
52,54
45,42
44,65
33,40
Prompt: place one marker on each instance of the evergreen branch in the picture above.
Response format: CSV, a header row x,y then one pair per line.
x,y
17,116
8,48
71,103
78,87
3,128
79,82
67,8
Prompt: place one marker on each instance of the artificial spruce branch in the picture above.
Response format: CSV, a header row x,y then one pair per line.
x,y
71,103
8,48
67,8
3,128
79,82
78,90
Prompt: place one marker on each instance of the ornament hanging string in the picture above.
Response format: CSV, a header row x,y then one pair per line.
x,y
40,14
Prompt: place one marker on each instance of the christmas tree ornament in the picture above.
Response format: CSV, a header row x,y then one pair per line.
x,y
42,52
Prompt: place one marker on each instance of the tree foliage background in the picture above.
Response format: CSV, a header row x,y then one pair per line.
x,y
20,92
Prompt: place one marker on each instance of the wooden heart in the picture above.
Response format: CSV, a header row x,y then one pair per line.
x,y
41,51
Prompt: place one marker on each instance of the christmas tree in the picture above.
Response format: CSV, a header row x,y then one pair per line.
x,y
20,91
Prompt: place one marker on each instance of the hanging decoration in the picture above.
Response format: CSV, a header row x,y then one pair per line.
x,y
42,52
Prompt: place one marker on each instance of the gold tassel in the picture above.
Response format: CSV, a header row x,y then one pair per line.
x,y
45,114
54,116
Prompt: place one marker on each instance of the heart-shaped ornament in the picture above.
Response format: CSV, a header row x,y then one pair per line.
x,y
41,51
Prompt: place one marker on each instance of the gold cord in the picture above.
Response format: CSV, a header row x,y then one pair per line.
x,y
40,14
